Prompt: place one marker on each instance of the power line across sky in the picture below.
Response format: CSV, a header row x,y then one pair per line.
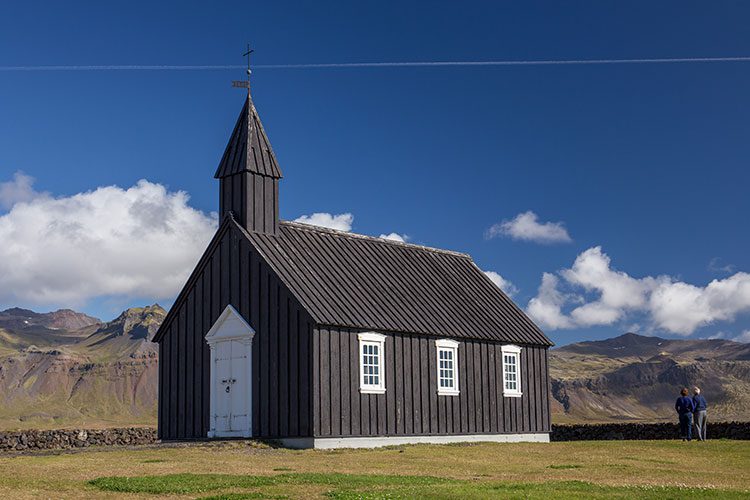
x,y
382,64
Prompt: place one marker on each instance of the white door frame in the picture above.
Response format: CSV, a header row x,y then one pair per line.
x,y
230,326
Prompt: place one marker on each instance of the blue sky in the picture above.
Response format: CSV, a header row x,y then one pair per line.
x,y
644,165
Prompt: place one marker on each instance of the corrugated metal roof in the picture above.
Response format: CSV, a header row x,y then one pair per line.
x,y
356,281
249,148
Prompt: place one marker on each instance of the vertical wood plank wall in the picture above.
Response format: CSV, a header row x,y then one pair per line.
x,y
254,200
411,405
281,347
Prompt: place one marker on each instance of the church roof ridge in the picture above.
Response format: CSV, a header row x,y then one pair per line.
x,y
349,234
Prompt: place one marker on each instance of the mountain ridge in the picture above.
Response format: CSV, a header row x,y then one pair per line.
x,y
94,373
635,377
632,344
67,319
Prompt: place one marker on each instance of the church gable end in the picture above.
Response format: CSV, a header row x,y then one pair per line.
x,y
233,273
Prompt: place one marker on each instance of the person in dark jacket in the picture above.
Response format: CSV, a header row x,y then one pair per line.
x,y
699,413
684,406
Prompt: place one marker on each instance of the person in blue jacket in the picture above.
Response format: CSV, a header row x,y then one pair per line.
x,y
699,413
684,406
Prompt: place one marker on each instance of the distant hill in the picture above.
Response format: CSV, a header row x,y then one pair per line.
x,y
65,368
21,328
63,319
637,378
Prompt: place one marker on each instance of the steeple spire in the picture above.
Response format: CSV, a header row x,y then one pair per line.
x,y
249,148
249,172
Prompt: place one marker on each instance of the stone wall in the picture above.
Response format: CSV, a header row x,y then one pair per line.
x,y
61,439
81,438
596,432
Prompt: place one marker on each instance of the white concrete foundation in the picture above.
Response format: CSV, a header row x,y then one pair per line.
x,y
378,441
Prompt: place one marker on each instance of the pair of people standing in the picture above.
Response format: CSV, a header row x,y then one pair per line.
x,y
690,409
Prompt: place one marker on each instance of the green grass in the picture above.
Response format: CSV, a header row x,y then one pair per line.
x,y
235,470
241,496
200,483
364,486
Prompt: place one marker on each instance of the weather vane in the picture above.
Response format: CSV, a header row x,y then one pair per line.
x,y
245,84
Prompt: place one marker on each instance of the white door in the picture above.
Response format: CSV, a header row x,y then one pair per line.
x,y
232,394
230,340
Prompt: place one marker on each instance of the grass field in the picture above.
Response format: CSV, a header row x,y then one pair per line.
x,y
238,470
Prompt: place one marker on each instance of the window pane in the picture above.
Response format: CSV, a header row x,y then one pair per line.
x,y
446,368
370,366
510,367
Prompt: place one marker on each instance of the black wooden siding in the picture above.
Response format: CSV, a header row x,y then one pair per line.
x,y
411,405
232,272
252,199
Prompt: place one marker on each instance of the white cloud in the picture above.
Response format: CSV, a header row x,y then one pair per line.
x,y
342,222
526,226
395,237
743,337
617,291
546,307
609,296
20,189
141,241
682,308
505,285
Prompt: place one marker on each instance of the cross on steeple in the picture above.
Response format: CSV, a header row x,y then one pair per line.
x,y
246,83
249,71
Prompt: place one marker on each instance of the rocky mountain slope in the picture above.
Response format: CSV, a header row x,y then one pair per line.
x,y
66,368
637,378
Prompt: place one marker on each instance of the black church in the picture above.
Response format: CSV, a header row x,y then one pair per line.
x,y
322,338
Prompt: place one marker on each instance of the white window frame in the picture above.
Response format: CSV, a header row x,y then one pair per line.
x,y
374,339
515,352
451,346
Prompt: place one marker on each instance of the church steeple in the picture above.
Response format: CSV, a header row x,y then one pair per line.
x,y
249,174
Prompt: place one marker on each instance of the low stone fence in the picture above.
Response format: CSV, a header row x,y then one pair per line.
x,y
61,439
596,432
